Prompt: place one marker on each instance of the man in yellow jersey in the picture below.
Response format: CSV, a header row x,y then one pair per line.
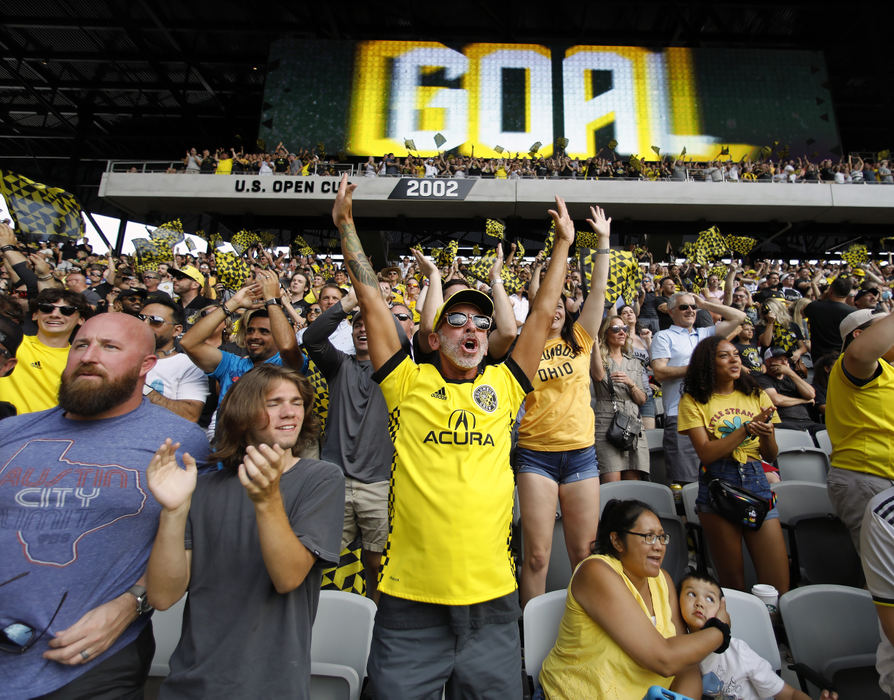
x,y
860,416
448,612
34,386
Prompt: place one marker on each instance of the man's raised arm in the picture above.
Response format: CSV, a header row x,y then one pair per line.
x,y
280,328
207,358
533,336
380,330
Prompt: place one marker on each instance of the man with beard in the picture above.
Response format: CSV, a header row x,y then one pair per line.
x,y
77,522
266,327
175,383
448,609
188,285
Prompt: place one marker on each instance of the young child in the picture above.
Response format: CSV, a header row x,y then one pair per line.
x,y
738,673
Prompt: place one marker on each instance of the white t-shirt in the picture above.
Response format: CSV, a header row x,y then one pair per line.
x,y
342,338
177,378
740,673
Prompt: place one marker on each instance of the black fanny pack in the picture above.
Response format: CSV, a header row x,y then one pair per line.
x,y
738,505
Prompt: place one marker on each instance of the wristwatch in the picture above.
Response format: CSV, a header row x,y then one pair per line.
x,y
272,302
139,592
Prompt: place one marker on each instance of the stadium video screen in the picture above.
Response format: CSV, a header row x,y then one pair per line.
x,y
370,98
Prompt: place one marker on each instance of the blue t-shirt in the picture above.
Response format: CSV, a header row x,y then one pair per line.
x,y
76,514
231,367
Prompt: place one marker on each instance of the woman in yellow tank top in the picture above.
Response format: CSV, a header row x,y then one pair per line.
x,y
556,455
622,632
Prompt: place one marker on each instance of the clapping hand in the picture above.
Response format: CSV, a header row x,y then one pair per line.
x,y
171,485
260,471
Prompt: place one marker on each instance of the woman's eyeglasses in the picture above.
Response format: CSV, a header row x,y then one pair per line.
x,y
458,319
651,537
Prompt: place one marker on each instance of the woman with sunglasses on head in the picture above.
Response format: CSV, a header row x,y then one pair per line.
x,y
555,456
729,420
622,632
612,361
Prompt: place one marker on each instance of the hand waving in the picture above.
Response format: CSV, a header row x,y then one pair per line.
x,y
564,224
598,222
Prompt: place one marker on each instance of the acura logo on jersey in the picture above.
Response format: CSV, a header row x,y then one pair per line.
x,y
461,431
461,418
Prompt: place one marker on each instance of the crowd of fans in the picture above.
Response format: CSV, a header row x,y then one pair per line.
x,y
762,342
772,167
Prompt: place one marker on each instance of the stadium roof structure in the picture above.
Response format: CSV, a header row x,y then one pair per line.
x,y
86,81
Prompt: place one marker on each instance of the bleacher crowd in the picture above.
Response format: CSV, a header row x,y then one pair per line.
x,y
767,166
164,433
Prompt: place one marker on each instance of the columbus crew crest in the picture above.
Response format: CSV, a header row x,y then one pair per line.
x,y
485,397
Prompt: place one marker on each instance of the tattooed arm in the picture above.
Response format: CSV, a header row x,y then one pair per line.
x,y
380,329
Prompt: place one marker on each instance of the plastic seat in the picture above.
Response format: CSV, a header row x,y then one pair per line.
x,y
558,572
823,441
751,623
541,627
803,464
340,641
676,555
833,633
819,544
657,496
787,439
166,627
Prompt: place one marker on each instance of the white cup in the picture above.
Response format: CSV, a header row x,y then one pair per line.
x,y
768,594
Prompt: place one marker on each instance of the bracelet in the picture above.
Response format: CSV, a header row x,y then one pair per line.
x,y
745,428
45,277
227,313
496,282
719,624
603,251
7,248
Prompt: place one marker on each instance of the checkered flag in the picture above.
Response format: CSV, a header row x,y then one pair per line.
x,y
38,210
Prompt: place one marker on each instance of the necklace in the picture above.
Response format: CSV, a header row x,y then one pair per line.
x,y
166,353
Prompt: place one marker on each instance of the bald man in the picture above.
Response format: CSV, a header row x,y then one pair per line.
x,y
79,522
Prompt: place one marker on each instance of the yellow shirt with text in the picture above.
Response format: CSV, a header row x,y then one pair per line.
x,y
558,416
723,414
450,506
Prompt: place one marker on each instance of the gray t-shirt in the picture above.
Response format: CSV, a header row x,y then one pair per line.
x,y
357,436
240,638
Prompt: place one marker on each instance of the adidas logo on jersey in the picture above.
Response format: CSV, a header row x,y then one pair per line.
x,y
36,364
440,394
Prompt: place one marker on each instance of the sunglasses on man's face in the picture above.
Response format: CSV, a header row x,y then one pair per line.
x,y
64,310
458,319
687,307
402,317
153,320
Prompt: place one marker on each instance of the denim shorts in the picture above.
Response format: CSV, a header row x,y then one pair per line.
x,y
749,476
562,467
647,410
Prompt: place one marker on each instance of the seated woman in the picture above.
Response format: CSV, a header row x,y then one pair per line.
x,y
622,632
730,423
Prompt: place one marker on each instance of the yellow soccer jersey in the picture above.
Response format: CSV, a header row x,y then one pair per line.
x,y
450,506
860,419
34,383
